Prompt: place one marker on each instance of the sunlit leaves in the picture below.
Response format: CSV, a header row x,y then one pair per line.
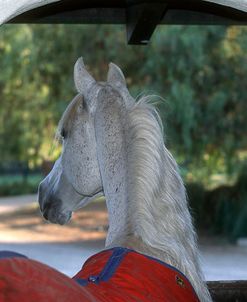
x,y
199,71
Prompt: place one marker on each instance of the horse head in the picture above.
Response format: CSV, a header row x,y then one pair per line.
x,y
76,178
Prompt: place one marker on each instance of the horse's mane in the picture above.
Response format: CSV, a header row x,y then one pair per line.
x,y
155,179
158,206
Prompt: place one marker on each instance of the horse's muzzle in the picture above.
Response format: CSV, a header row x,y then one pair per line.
x,y
53,212
55,215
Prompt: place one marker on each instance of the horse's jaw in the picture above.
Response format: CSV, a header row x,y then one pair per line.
x,y
87,199
58,216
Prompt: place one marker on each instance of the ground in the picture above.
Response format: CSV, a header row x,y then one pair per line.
x,y
22,229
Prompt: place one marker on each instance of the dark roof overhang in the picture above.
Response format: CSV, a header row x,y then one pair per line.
x,y
140,17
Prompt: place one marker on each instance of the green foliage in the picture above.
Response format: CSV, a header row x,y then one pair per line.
x,y
222,210
16,185
198,70
17,188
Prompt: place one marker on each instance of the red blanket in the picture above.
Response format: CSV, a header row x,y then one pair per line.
x,y
113,275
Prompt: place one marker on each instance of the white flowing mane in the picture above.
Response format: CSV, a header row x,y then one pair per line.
x,y
158,206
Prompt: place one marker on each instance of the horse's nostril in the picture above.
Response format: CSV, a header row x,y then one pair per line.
x,y
46,209
45,214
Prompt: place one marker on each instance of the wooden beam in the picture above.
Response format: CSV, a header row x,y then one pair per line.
x,y
141,21
79,16
228,291
117,12
189,17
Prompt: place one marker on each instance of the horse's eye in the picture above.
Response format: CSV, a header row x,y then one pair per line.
x,y
63,133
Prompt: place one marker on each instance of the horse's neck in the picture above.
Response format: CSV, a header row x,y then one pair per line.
x,y
147,204
150,215
154,230
116,199
144,193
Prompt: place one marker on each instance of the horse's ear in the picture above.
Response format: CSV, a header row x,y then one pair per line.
x,y
83,80
115,76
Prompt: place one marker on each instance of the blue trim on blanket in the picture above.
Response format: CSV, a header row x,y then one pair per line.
x,y
109,269
113,263
10,254
159,261
82,282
